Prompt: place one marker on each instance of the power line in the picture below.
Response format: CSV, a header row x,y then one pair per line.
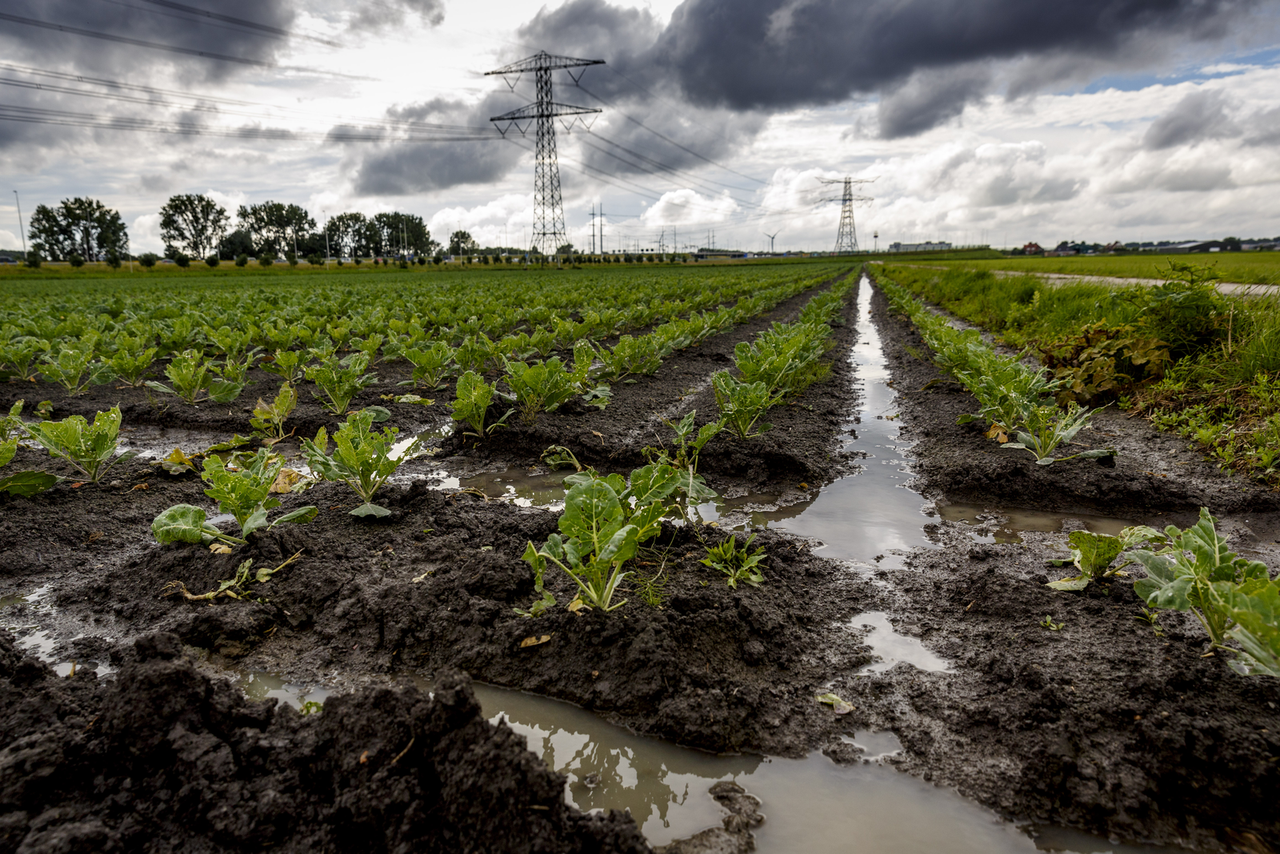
x,y
231,24
200,105
663,136
204,54
67,118
239,22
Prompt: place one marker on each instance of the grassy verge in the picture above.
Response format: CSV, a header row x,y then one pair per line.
x,y
1250,268
1195,362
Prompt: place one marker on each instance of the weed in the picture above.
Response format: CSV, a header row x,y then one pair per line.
x,y
738,562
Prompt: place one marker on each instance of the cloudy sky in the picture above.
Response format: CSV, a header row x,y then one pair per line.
x,y
995,121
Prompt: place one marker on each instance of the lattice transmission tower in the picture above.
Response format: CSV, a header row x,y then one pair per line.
x,y
847,237
548,208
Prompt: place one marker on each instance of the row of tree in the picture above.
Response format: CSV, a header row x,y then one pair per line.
x,y
197,226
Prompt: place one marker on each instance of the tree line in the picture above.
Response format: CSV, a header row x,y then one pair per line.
x,y
196,226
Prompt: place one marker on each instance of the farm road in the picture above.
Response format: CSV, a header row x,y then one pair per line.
x,y
1116,281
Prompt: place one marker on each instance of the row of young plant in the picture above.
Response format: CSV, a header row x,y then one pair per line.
x,y
379,320
1017,402
193,377
606,521
780,363
1197,362
538,387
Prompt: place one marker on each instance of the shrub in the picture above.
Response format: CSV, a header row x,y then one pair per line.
x,y
148,259
213,261
242,259
76,261
266,260
182,260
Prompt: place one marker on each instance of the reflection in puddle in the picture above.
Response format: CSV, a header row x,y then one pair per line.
x,y
811,804
872,516
258,685
1006,526
892,648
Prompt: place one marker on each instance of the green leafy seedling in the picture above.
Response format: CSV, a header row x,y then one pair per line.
x,y
287,364
74,368
739,563
189,373
430,365
1232,597
1047,427
340,381
741,404
243,490
471,405
268,418
362,458
1092,554
1049,624
540,387
89,448
131,361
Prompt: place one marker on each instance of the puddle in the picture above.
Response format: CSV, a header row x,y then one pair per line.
x,y
892,648
1007,526
810,804
870,517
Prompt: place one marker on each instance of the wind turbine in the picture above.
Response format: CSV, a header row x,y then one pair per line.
x,y
771,236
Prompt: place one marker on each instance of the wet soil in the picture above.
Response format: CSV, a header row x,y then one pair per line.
x,y
1104,723
162,758
1099,725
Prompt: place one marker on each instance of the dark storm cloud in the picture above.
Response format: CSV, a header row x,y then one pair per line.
x,y
594,29
1197,117
928,99
401,168
388,13
46,48
923,56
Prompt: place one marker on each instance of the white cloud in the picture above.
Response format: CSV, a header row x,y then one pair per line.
x,y
144,235
9,240
682,207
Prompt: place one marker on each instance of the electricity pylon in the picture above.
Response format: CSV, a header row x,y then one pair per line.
x,y
548,209
847,237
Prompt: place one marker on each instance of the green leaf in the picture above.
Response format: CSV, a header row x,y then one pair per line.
x,y
297,517
1257,629
181,523
1079,582
592,513
7,450
256,520
370,510
27,483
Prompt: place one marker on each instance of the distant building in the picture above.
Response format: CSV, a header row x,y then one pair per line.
x,y
941,246
1033,248
1198,246
1115,247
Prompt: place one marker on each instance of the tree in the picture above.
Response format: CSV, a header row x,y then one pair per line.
x,y
275,226
79,226
462,243
399,233
350,234
193,223
235,244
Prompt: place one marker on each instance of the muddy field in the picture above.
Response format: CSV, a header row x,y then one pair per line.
x,y
1100,725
